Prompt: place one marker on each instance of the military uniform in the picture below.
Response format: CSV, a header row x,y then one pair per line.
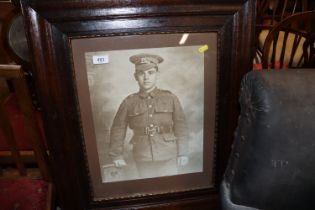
x,y
158,123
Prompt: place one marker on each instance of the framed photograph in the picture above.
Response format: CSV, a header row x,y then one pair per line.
x,y
139,99
106,80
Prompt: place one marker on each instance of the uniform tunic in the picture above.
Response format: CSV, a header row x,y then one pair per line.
x,y
158,123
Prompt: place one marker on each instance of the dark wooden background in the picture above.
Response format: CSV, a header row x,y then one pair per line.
x,y
51,25
8,10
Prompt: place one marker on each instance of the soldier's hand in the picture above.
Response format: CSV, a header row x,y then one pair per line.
x,y
119,163
182,160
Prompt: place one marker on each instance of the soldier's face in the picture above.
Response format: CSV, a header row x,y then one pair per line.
x,y
147,79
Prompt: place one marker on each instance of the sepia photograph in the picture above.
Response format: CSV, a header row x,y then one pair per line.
x,y
148,113
143,109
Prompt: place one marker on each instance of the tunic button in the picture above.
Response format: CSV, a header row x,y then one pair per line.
x,y
150,115
150,106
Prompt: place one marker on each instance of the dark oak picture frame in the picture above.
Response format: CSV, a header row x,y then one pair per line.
x,y
50,26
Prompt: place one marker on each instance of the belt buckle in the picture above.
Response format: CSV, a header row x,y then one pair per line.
x,y
151,131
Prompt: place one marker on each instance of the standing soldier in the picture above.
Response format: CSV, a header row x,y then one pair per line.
x,y
160,134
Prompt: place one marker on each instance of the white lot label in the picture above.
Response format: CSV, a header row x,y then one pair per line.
x,y
100,59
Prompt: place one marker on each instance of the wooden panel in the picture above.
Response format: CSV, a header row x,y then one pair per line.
x,y
8,10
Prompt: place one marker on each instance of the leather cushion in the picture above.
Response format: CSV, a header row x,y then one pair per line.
x,y
272,164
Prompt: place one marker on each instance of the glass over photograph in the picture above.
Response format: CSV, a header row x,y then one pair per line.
x,y
147,107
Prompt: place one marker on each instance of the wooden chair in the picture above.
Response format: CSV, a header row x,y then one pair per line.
x,y
269,14
284,43
13,50
309,51
23,191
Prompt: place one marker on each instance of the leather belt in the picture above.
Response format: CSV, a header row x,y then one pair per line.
x,y
151,130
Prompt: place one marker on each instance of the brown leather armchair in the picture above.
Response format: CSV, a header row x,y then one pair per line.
x,y
272,164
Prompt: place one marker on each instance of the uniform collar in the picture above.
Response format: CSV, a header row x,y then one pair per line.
x,y
144,94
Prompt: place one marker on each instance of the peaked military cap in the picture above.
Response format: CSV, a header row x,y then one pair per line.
x,y
145,61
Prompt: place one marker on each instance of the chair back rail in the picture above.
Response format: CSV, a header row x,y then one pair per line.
x,y
285,42
309,51
9,136
16,75
272,12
